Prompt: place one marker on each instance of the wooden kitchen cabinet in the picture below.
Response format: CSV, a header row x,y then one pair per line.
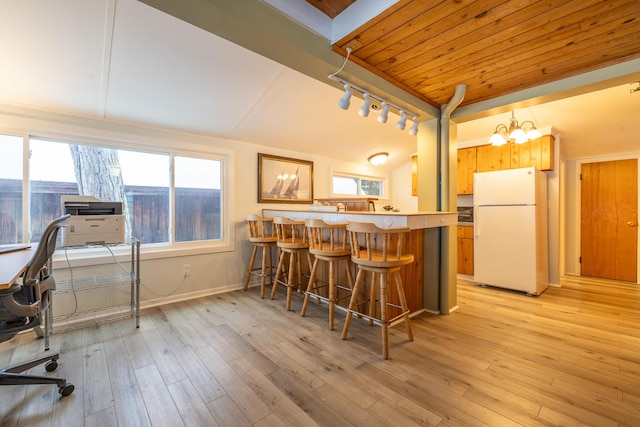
x,y
484,158
492,158
537,152
465,249
466,169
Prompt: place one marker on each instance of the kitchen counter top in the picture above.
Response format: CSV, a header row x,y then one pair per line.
x,y
413,220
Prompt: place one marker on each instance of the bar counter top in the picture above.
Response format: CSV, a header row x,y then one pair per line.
x,y
413,220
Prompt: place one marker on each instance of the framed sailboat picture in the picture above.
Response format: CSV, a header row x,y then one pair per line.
x,y
284,180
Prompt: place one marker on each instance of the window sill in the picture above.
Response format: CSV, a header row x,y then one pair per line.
x,y
97,255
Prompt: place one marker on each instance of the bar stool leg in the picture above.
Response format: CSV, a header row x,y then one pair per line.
x,y
310,287
384,315
404,305
278,273
253,258
293,260
332,292
352,303
373,294
263,270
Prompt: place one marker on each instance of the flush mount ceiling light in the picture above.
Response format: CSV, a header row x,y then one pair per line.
x,y
514,132
378,159
372,101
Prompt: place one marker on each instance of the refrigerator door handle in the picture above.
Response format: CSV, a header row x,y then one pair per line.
x,y
476,221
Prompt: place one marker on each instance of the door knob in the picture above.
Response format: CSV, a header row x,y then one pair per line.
x,y
631,224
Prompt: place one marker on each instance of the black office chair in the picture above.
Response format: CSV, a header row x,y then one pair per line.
x,y
27,305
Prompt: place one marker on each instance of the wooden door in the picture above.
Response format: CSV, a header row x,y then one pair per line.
x,y
609,220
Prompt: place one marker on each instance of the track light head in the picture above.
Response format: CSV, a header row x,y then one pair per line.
x,y
402,123
414,128
345,101
384,114
364,110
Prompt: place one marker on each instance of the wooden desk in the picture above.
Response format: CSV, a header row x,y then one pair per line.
x,y
12,265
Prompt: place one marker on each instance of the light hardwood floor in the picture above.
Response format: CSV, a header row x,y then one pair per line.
x,y
568,357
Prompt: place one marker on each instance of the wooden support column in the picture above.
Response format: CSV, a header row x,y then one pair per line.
x,y
428,189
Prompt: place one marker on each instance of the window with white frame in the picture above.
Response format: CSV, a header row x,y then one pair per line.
x,y
169,197
355,185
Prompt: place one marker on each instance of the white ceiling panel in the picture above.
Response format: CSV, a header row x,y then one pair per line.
x,y
52,54
169,73
292,113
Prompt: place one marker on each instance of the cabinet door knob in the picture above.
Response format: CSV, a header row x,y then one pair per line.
x,y
631,224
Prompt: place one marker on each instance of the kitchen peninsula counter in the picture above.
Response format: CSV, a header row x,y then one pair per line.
x,y
413,220
421,282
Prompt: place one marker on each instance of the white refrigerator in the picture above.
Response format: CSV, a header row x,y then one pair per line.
x,y
510,230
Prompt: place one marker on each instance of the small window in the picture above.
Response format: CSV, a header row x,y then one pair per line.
x,y
354,185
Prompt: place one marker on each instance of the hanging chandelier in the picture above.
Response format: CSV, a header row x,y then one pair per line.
x,y
518,133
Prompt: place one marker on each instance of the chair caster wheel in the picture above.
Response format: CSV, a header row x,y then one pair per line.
x,y
66,390
51,366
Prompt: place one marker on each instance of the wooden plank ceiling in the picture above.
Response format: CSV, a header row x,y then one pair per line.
x,y
496,47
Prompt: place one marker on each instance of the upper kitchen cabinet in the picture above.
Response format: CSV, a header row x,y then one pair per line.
x,y
492,158
483,158
537,152
466,168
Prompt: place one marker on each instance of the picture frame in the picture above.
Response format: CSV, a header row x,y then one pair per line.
x,y
284,179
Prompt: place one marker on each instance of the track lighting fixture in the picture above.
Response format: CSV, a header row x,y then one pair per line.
x,y
369,100
364,110
414,128
345,101
402,123
384,114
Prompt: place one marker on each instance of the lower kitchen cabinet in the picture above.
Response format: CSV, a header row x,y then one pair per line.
x,y
465,249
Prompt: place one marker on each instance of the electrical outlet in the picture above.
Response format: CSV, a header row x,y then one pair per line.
x,y
187,270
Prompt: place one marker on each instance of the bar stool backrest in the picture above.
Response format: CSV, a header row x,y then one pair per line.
x,y
261,230
291,233
327,239
375,246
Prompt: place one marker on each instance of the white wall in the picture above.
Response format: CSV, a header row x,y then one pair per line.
x,y
401,198
162,273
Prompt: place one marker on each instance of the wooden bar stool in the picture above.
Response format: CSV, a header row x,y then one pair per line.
x,y
262,234
292,241
329,243
379,251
